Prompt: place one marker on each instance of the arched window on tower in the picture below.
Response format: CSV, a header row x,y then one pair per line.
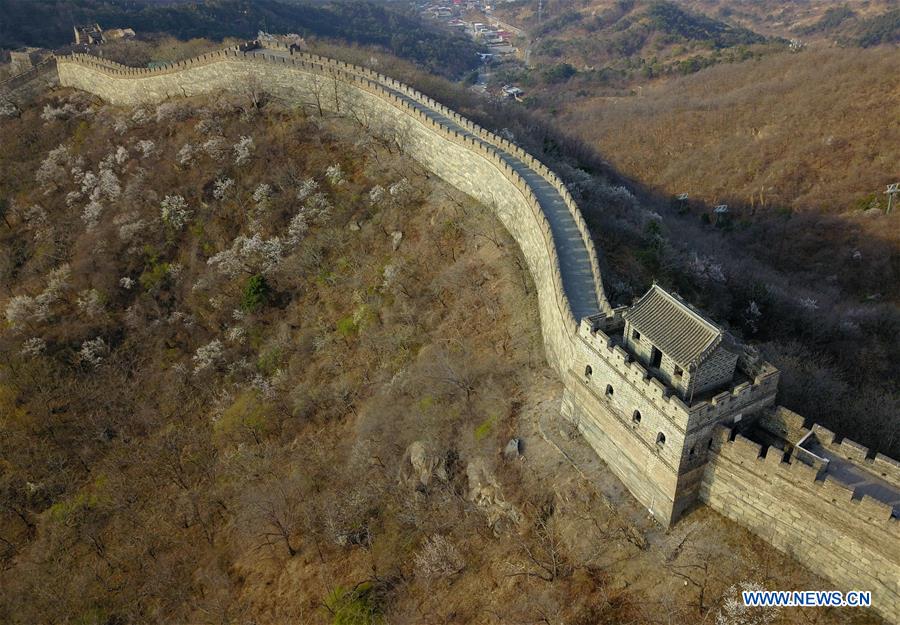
x,y
660,440
588,372
609,391
636,417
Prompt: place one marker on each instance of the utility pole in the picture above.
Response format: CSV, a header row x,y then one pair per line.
x,y
892,190
540,11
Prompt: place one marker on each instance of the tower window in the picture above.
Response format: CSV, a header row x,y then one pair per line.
x,y
636,416
660,440
609,390
679,372
588,372
636,335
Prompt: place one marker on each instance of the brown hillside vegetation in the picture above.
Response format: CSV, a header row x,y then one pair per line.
x,y
815,130
225,329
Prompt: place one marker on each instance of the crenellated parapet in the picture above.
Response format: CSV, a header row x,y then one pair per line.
x,y
669,447
743,396
884,467
830,490
384,86
839,523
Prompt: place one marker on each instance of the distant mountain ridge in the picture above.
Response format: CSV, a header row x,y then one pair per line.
x,y
48,23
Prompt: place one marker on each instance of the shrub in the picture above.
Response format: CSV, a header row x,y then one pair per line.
x,y
256,293
356,606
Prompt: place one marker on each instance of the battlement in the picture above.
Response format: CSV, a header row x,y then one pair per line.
x,y
735,476
600,334
250,52
882,466
772,463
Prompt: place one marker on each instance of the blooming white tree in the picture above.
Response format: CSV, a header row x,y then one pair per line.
x,y
52,171
438,557
376,194
809,303
705,268
335,174
66,111
222,187
126,283
262,196
90,302
185,155
147,148
236,334
140,117
34,346
19,310
243,150
107,185
91,214
175,212
752,315
249,255
307,188
208,355
399,188
734,612
297,228
8,109
121,155
216,148
94,351
57,285
129,230
168,111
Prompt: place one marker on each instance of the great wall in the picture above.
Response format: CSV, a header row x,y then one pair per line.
x,y
827,502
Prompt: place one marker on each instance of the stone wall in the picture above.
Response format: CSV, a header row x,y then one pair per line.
x,y
23,87
852,542
855,542
664,477
472,164
880,465
717,370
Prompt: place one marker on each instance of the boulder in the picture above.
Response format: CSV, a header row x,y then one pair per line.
x,y
421,468
485,492
513,449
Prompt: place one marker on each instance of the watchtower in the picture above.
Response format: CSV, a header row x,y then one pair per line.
x,y
652,382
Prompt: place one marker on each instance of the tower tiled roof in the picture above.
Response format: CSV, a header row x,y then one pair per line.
x,y
675,328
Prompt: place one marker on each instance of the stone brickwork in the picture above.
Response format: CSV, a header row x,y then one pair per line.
x,y
667,450
802,511
468,157
23,87
620,408
880,465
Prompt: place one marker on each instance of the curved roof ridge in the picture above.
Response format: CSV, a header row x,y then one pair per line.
x,y
675,327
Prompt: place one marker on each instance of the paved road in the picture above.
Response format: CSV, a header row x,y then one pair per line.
x,y
574,260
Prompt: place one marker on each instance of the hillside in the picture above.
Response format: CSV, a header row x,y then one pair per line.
x,y
854,22
810,131
48,23
260,368
612,41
